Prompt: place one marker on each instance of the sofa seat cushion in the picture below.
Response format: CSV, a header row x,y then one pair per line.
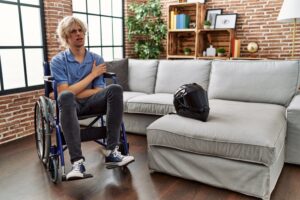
x,y
152,104
252,132
128,95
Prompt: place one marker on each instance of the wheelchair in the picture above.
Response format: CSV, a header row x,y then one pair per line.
x,y
50,149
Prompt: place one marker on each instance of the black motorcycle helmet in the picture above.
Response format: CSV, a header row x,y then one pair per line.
x,y
190,100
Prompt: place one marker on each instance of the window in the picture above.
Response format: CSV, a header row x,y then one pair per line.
x,y
104,19
22,48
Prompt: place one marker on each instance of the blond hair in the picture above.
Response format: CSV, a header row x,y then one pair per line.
x,y
64,28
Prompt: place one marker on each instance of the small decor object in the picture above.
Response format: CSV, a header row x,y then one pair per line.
x,y
206,25
187,51
221,52
211,51
237,48
252,47
192,25
226,21
211,16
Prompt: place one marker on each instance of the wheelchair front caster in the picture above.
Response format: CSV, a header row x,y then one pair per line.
x,y
53,168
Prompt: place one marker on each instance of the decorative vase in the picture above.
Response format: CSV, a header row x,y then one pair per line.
x,y
211,51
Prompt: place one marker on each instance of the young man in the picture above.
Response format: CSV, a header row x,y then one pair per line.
x,y
80,85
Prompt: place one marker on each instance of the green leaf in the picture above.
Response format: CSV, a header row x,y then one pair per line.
x,y
147,23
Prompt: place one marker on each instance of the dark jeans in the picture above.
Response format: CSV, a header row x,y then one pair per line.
x,y
109,101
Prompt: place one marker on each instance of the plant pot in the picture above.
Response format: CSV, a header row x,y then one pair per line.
x,y
221,54
187,52
206,27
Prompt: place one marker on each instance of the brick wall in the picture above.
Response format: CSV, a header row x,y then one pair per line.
x,y
256,22
17,114
55,10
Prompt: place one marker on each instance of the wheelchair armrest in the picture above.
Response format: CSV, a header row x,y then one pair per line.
x,y
109,75
48,78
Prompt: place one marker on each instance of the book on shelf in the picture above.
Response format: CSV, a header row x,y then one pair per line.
x,y
172,20
182,21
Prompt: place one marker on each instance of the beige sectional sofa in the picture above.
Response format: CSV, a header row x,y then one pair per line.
x,y
252,129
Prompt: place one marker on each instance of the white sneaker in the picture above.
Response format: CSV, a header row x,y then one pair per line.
x,y
77,171
116,159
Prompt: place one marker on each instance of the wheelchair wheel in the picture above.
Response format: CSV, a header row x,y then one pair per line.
x,y
53,168
42,133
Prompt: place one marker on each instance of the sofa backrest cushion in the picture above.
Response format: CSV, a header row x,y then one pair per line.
x,y
120,67
254,81
142,75
171,74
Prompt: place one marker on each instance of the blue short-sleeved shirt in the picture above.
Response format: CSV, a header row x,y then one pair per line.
x,y
65,69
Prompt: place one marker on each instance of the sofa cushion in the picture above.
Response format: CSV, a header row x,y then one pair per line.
x,y
171,74
142,75
120,67
251,132
128,95
152,104
254,81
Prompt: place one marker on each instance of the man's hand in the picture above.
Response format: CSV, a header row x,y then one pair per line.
x,y
98,70
80,87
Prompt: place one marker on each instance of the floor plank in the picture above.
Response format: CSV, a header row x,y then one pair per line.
x,y
24,177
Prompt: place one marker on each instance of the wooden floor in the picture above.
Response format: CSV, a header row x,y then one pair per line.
x,y
23,177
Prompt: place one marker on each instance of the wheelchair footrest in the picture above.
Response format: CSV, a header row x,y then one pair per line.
x,y
93,133
77,178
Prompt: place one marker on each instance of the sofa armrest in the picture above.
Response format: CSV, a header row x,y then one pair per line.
x,y
293,131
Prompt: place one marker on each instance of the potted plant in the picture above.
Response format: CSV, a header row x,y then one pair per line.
x,y
187,51
146,26
207,24
221,51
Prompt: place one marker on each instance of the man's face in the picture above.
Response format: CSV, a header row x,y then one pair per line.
x,y
76,36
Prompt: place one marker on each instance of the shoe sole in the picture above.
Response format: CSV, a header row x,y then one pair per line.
x,y
77,177
113,165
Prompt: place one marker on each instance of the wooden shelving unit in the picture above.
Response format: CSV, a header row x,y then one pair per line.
x,y
219,38
178,39
197,39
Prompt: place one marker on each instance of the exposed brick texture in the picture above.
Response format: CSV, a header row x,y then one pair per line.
x,y
55,10
17,114
256,22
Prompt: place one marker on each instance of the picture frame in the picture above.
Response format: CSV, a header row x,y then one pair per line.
x,y
226,21
211,16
